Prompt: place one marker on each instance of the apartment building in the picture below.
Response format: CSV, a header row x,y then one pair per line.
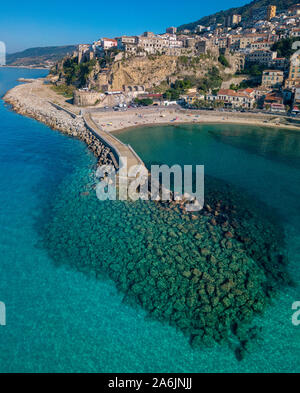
x,y
240,41
280,63
127,43
158,43
237,99
261,56
294,71
272,78
266,45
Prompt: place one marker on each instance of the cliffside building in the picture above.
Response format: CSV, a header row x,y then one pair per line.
x,y
158,43
271,12
261,56
128,44
108,43
243,41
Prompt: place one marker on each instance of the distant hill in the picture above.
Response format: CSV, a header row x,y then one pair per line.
x,y
39,56
246,11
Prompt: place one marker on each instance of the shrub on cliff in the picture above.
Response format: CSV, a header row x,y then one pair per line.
x,y
222,59
76,74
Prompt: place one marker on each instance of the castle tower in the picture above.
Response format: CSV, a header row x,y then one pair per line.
x,y
271,12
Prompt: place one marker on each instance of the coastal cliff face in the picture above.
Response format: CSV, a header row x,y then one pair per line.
x,y
152,70
143,71
148,71
25,102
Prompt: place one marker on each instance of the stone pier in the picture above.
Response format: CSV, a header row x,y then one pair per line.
x,y
119,149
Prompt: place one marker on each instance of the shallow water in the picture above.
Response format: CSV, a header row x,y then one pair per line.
x,y
59,319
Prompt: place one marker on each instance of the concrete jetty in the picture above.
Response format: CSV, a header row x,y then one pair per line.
x,y
38,101
120,149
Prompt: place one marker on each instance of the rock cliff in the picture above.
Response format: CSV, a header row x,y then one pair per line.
x,y
148,71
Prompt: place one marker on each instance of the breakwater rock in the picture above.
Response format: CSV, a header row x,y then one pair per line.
x,y
207,273
35,106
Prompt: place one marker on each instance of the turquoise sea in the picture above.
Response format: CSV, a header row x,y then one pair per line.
x,y
62,320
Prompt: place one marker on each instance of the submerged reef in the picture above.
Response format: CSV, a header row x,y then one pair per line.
x,y
207,273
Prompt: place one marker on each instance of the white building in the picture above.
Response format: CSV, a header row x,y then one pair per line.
x,y
129,44
108,43
237,99
261,56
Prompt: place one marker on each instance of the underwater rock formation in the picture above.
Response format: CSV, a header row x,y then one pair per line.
x,y
207,273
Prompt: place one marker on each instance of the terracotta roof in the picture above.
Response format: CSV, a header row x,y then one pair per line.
x,y
232,93
109,39
273,97
248,90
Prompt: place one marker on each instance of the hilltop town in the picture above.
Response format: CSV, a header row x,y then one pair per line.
x,y
238,65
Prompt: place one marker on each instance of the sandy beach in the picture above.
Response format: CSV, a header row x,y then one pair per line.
x,y
112,121
35,97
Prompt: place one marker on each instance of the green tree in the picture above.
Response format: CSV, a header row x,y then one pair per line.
x,y
77,73
284,47
253,70
179,87
222,59
143,101
211,81
234,87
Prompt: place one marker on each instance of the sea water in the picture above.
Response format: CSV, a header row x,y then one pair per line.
x,y
61,320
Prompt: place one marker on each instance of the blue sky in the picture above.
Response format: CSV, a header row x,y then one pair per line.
x,y
26,24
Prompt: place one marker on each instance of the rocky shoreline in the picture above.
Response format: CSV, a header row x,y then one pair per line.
x,y
42,110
